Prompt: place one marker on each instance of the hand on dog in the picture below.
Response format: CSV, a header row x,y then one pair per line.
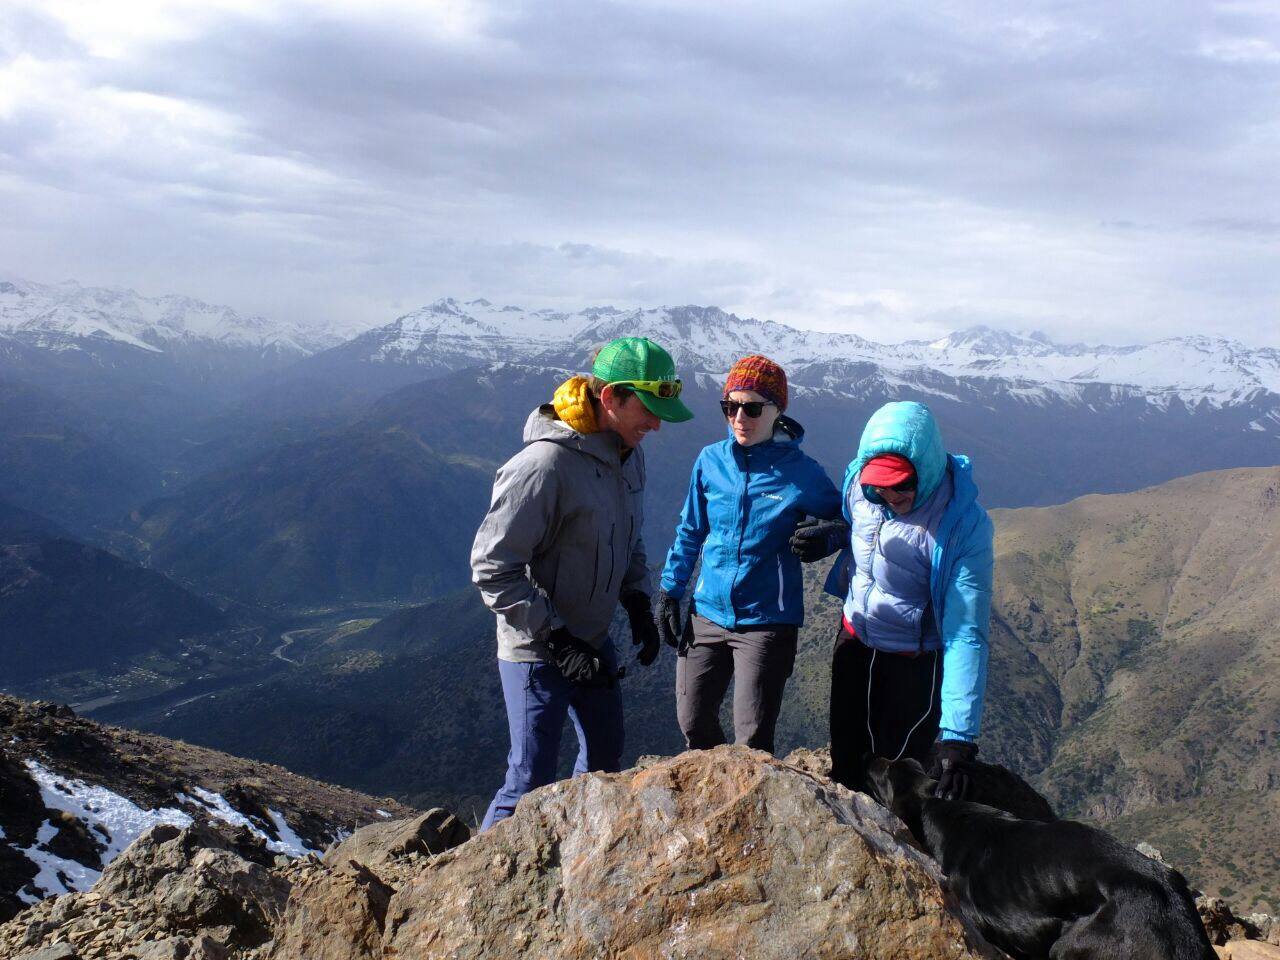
x,y
953,781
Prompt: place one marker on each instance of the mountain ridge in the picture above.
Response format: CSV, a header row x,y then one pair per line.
x,y
1191,369
448,334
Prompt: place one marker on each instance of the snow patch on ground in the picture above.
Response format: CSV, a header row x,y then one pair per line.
x,y
289,843
117,819
120,819
56,875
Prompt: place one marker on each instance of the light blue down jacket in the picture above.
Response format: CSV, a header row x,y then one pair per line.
x,y
742,507
955,535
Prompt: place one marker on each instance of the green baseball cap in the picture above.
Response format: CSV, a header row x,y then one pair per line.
x,y
644,366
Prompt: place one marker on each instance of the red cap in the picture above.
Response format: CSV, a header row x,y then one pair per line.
x,y
886,470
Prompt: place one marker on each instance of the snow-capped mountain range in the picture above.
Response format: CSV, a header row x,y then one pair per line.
x,y
63,316
449,334
1191,369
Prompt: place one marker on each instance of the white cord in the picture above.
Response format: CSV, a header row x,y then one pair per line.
x,y
870,732
928,708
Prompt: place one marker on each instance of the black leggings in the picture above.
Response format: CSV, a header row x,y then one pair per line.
x,y
882,704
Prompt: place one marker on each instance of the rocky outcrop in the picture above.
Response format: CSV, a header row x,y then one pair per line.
x,y
1248,950
720,853
398,841
74,793
195,894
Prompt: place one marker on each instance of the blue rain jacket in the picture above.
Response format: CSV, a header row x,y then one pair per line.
x,y
743,505
963,560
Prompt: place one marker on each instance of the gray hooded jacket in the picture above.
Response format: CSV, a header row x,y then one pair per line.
x,y
561,541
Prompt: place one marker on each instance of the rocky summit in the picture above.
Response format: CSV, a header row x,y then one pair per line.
x,y
724,853
721,853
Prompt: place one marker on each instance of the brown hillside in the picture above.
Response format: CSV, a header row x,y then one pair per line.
x,y
1136,653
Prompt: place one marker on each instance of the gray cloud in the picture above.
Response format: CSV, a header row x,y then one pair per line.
x,y
1095,170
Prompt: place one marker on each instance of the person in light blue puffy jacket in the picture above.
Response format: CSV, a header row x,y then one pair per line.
x,y
909,669
746,497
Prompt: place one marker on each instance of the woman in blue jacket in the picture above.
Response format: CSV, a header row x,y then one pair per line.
x,y
910,662
746,496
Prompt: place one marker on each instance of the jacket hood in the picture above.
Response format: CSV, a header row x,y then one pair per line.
x,y
544,424
908,429
964,490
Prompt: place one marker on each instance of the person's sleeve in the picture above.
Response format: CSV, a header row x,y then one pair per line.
x,y
841,573
820,497
691,531
520,521
965,625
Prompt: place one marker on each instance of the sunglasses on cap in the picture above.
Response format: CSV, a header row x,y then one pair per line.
x,y
662,389
752,408
908,485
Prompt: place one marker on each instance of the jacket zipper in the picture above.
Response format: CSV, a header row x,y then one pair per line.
x,y
871,571
613,530
613,557
781,587
744,507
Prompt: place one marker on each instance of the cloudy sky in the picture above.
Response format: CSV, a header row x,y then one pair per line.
x,y
1096,170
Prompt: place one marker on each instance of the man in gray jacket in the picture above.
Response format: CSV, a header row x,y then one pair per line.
x,y
559,548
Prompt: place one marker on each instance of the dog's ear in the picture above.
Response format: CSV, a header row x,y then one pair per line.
x,y
913,763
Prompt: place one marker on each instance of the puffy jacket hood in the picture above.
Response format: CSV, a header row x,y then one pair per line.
x,y
908,429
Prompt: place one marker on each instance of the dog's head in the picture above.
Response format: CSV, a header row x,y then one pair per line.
x,y
901,785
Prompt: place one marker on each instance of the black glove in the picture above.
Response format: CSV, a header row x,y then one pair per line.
x,y
644,632
949,757
686,637
815,539
667,619
580,662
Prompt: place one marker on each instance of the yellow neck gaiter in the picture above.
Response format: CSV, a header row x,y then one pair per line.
x,y
572,402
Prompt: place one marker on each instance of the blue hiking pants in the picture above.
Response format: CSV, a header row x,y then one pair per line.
x,y
538,697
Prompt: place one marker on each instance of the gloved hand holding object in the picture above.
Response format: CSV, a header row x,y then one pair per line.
x,y
948,759
815,539
644,630
580,662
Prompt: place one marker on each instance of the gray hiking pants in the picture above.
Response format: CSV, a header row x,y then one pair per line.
x,y
757,659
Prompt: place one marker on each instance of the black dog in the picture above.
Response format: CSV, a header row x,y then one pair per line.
x,y
1000,787
1059,890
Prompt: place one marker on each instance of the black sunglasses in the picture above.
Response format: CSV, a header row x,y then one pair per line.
x,y
752,408
908,485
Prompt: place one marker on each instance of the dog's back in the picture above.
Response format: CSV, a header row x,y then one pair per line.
x,y
1140,920
1061,889
1000,787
